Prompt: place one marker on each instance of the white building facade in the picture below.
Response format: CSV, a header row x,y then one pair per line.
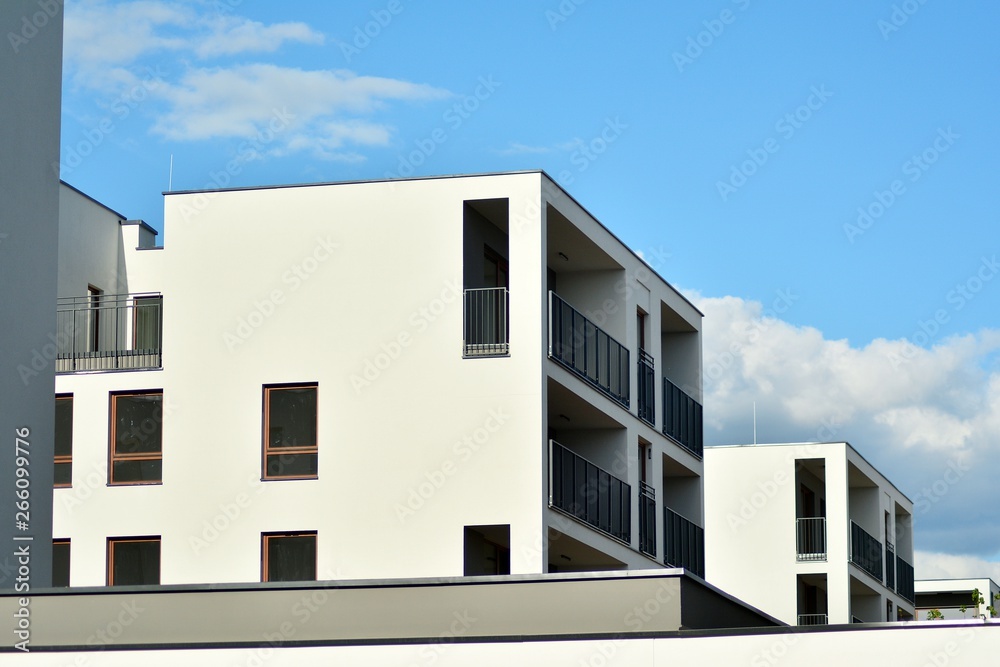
x,y
411,378
809,533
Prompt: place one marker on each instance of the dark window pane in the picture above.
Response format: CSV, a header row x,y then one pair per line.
x,y
137,471
291,558
292,417
292,465
64,427
60,564
147,322
135,563
137,423
63,474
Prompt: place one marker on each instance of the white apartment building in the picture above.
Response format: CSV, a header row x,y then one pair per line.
x,y
809,533
413,378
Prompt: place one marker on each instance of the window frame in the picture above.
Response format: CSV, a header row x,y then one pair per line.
x,y
114,541
114,457
140,305
264,558
64,459
267,450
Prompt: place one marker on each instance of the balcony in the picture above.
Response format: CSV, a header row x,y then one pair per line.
x,y
682,419
589,493
812,619
683,543
866,551
811,538
647,519
584,348
109,332
904,580
646,380
486,327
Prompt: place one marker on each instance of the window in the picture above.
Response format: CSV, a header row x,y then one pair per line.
x,y
63,473
290,444
147,324
136,438
94,319
60,563
133,561
288,557
487,550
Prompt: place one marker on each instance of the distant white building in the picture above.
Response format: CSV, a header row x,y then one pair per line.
x,y
949,596
809,533
411,378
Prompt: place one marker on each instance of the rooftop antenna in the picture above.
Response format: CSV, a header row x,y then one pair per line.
x,y
170,178
755,422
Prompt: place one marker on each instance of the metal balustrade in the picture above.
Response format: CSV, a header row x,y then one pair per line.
x,y
106,332
646,383
683,543
587,350
589,493
647,519
682,418
811,538
486,326
866,551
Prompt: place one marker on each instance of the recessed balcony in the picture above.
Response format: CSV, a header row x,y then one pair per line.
x,y
683,543
866,551
109,332
589,493
682,418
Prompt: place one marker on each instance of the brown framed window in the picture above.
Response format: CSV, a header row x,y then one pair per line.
x,y
291,448
147,322
134,561
136,438
63,472
288,556
60,563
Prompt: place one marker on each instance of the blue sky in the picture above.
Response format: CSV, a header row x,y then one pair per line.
x,y
817,177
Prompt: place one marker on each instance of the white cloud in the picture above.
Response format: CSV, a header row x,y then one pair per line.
x,y
927,418
933,565
112,45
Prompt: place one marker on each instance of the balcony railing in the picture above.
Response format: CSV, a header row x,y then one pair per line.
x,y
890,566
683,543
589,493
813,619
109,332
811,538
904,580
682,419
587,350
866,551
646,381
487,329
647,519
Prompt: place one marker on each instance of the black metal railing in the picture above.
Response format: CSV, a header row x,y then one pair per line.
x,y
866,551
104,332
812,619
486,328
904,580
647,519
683,543
589,493
811,538
588,350
682,418
646,383
890,566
